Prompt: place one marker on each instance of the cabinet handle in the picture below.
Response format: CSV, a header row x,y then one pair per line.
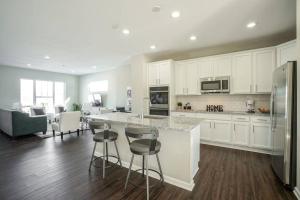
x,y
159,81
253,129
182,90
234,127
241,118
187,90
214,125
256,88
209,124
263,120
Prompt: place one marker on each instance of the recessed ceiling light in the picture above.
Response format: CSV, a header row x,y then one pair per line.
x,y
28,65
94,67
193,38
175,14
47,57
152,47
73,71
251,25
156,9
125,31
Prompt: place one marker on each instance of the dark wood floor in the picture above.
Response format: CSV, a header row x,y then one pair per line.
x,y
35,169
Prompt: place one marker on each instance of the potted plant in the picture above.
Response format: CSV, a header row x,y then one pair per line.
x,y
76,107
179,105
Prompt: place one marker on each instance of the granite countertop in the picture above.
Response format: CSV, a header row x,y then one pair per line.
x,y
225,112
165,122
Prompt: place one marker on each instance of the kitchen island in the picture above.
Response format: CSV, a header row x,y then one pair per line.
x,y
180,139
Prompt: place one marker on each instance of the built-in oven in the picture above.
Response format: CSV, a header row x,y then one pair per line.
x,y
215,84
159,100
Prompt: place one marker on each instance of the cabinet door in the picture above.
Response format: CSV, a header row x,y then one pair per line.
x,y
241,78
261,136
205,130
153,74
263,66
180,82
286,53
222,66
205,68
221,131
164,73
240,134
192,78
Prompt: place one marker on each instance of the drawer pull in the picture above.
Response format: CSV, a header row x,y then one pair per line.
x,y
262,120
241,118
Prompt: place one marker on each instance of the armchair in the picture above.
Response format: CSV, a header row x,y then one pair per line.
x,y
68,122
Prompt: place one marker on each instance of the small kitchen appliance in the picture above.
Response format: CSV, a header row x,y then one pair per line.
x,y
219,84
250,105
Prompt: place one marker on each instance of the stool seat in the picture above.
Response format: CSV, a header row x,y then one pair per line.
x,y
106,136
142,147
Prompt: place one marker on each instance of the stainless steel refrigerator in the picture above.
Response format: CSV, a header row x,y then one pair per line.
x,y
284,123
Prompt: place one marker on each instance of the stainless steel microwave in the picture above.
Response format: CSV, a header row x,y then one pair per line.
x,y
215,84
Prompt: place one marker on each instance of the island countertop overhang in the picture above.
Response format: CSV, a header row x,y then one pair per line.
x,y
169,122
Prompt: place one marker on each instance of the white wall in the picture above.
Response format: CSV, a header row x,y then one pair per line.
x,y
298,97
118,81
10,84
138,66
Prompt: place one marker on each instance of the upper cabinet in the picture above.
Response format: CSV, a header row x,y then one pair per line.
x,y
286,52
159,73
263,66
222,66
241,78
187,78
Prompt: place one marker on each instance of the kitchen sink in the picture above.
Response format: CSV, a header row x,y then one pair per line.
x,y
152,117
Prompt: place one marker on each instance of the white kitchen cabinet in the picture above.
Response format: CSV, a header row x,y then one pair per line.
x,y
205,67
260,135
192,78
159,73
263,66
187,78
286,52
222,66
180,79
241,79
221,131
240,133
206,130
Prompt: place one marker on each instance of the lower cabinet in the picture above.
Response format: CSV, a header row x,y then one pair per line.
x,y
240,133
205,130
260,136
215,131
221,131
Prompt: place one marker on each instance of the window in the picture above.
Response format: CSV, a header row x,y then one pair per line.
x,y
42,93
26,92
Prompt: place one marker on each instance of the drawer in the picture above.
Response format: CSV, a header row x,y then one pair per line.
x,y
240,118
182,114
260,119
209,116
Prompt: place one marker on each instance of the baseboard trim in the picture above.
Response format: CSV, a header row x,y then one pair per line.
x,y
297,193
237,147
173,181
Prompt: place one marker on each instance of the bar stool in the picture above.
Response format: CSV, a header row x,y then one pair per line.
x,y
105,135
144,143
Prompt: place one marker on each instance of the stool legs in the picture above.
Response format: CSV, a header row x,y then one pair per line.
x,y
92,156
119,158
147,175
103,160
159,166
129,170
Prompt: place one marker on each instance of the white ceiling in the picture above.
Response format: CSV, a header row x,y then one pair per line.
x,y
78,34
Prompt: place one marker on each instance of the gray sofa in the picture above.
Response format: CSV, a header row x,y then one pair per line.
x,y
16,123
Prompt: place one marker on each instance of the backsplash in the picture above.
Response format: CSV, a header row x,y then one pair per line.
x,y
229,102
